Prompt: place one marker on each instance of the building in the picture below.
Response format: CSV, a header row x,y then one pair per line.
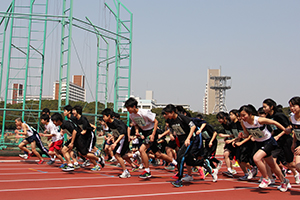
x,y
215,92
17,95
76,89
150,102
210,96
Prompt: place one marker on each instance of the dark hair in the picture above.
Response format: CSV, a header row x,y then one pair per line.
x,y
223,115
46,110
272,104
78,109
68,108
107,112
163,112
261,111
235,112
249,109
116,115
170,108
45,117
295,101
199,116
56,117
188,114
180,109
131,102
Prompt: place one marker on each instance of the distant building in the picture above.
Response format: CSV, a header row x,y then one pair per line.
x,y
210,96
17,95
150,102
215,92
76,89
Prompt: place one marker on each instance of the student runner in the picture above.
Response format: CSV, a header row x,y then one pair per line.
x,y
257,127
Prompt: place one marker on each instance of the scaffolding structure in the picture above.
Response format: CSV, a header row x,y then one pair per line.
x,y
25,23
220,87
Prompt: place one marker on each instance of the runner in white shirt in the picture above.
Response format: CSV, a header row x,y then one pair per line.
x,y
52,131
257,127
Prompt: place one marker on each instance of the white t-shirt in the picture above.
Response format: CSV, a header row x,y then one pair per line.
x,y
52,129
259,131
143,119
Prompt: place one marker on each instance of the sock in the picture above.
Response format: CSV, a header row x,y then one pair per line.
x,y
229,169
75,163
174,162
147,169
53,159
70,165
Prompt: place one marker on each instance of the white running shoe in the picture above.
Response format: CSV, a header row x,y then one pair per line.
x,y
264,183
250,174
125,174
187,178
24,156
284,186
141,166
215,175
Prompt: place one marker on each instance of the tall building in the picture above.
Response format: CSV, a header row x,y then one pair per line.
x,y
76,89
209,98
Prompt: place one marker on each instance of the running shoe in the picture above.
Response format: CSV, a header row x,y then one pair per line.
x,y
76,166
229,174
219,165
254,171
264,183
187,178
40,162
195,169
63,165
51,162
141,166
175,176
284,186
215,175
68,168
125,174
102,161
86,163
284,172
250,174
145,175
207,166
297,179
233,171
171,168
113,160
24,156
244,178
177,183
135,168
96,168
201,173
29,155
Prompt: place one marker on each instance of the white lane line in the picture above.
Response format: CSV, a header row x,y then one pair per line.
x,y
164,194
81,186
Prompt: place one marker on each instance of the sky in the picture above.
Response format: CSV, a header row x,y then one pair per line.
x,y
256,42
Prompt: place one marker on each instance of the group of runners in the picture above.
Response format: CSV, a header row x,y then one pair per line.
x,y
265,140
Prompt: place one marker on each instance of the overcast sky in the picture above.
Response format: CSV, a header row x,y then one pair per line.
x,y
256,42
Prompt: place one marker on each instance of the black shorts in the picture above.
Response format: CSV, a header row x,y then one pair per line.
x,y
122,147
285,143
172,144
30,139
267,146
154,146
232,150
210,151
244,153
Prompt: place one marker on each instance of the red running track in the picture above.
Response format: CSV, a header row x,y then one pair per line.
x,y
20,179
